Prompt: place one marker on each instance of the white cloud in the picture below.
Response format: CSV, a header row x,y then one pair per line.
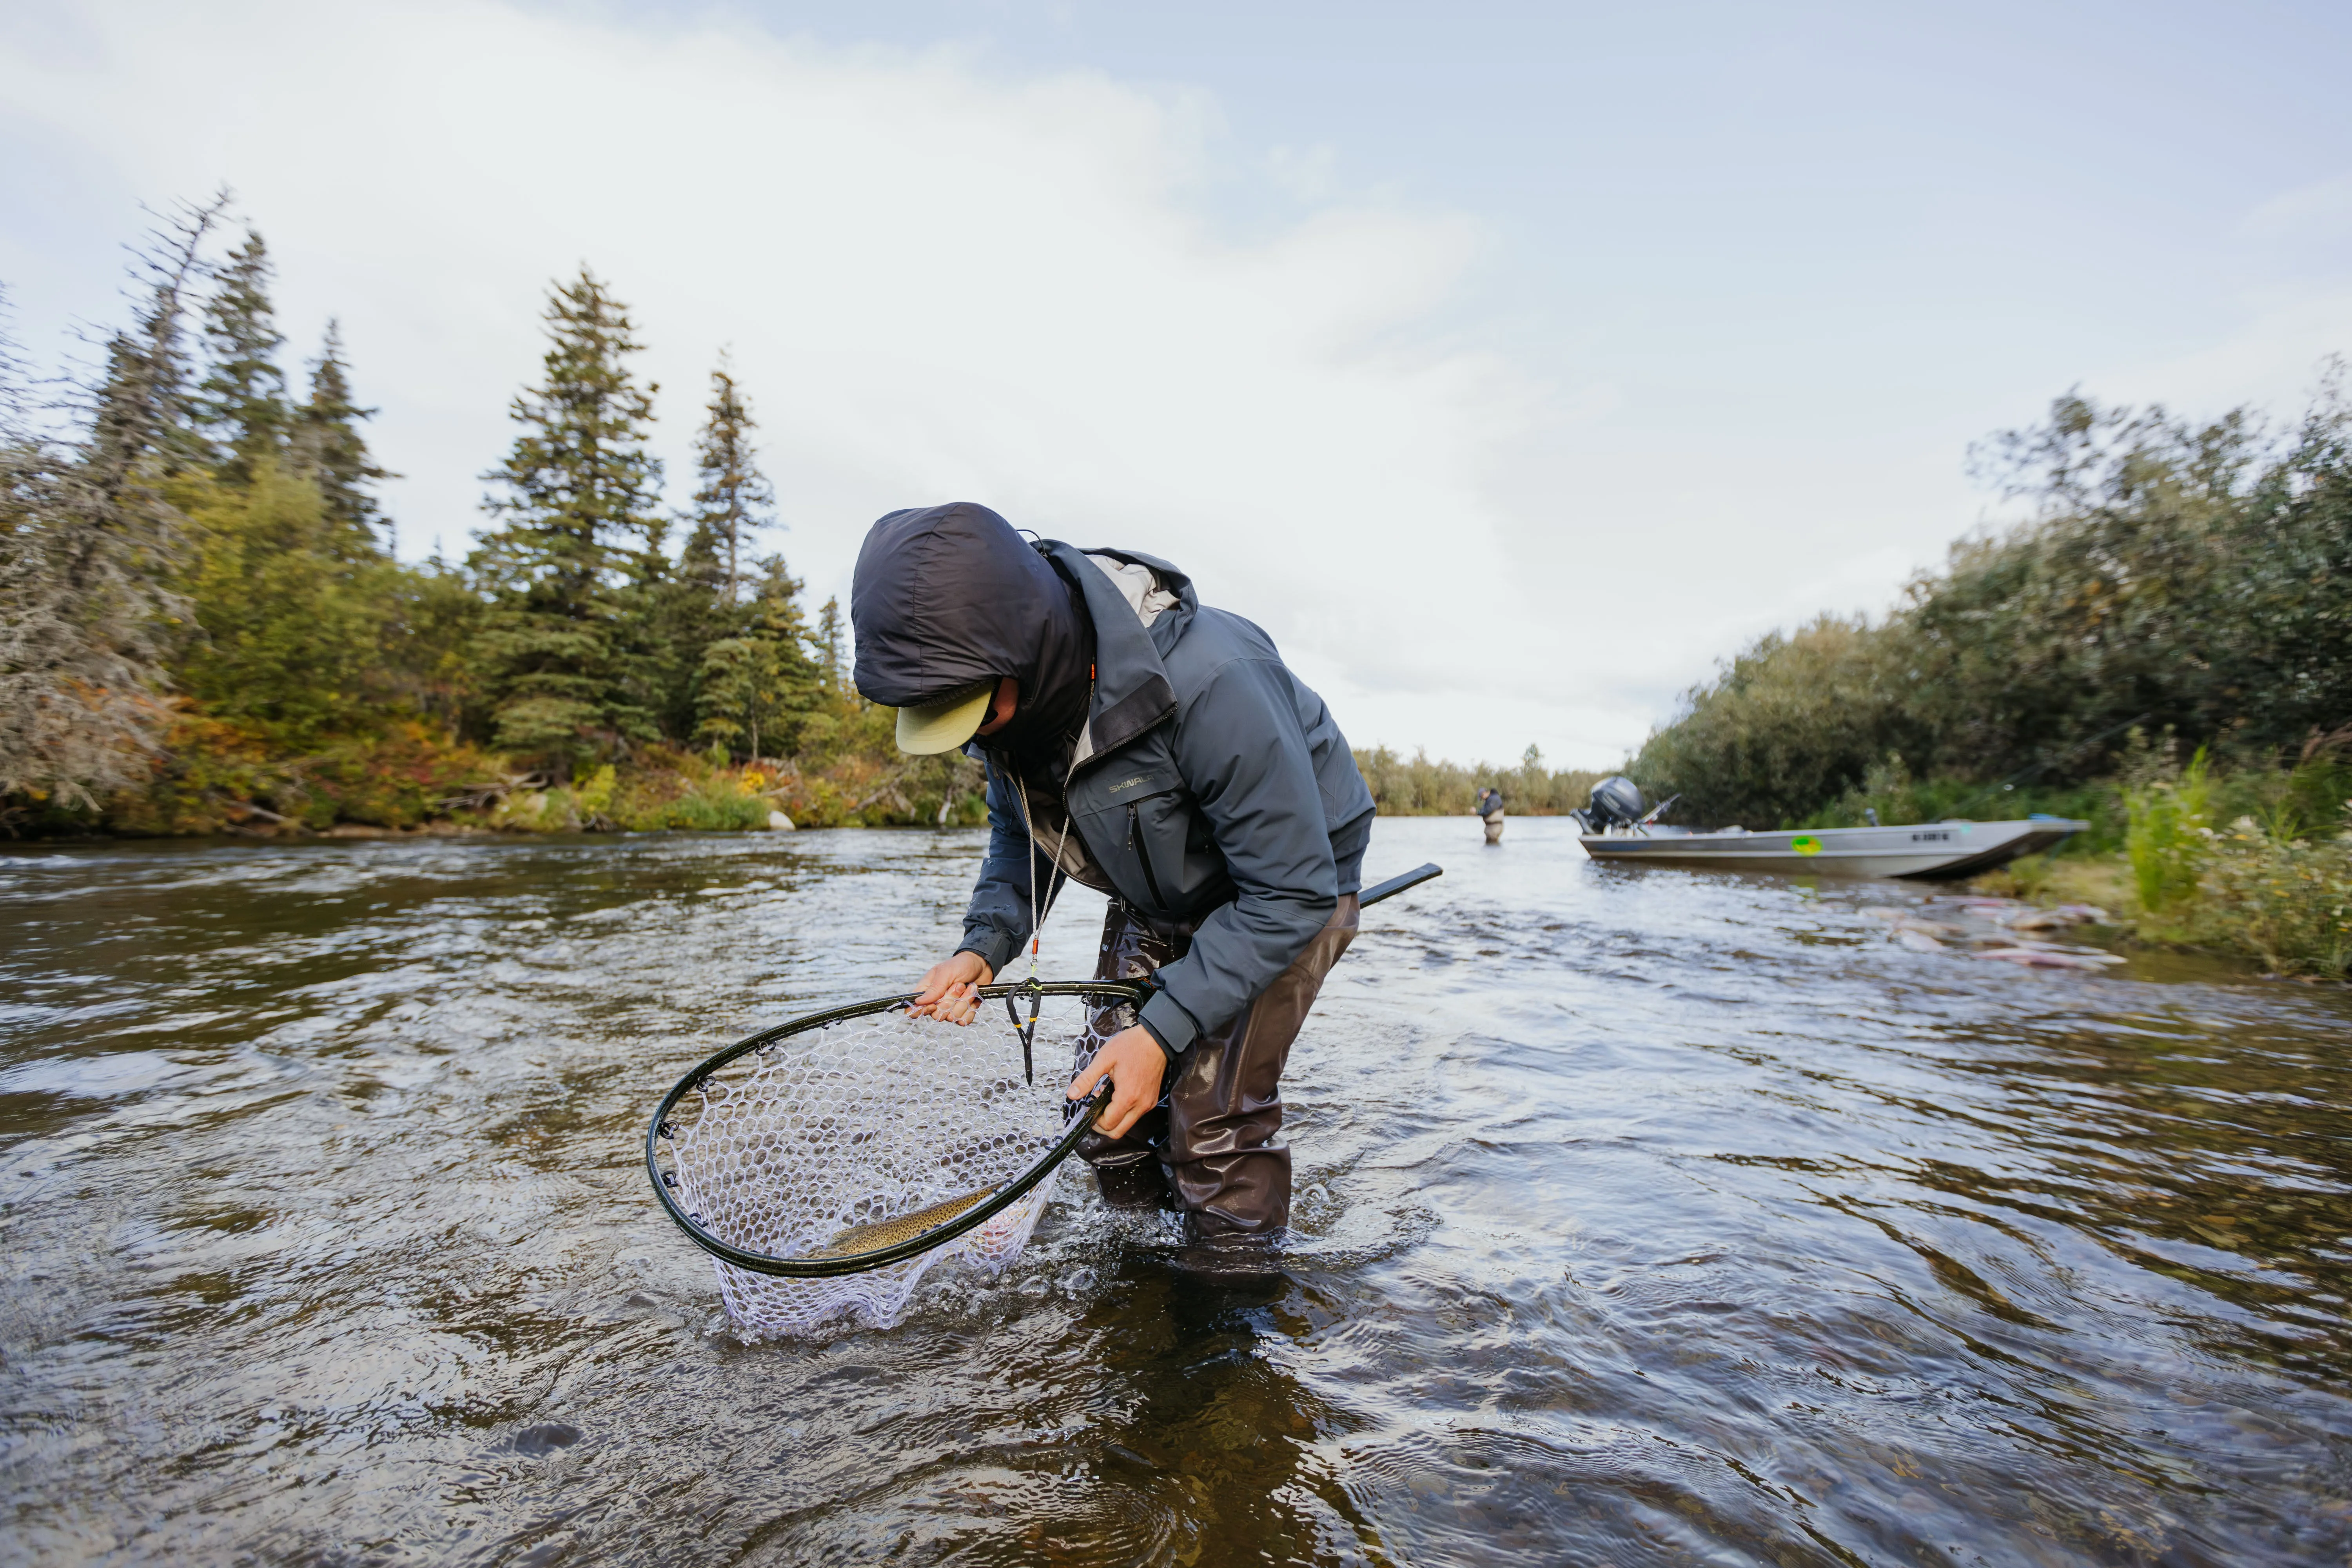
x,y
2321,210
935,284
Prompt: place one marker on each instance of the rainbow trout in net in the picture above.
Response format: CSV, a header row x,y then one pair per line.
x,y
884,1233
861,1142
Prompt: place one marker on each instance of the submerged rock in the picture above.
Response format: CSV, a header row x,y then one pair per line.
x,y
2003,929
1939,930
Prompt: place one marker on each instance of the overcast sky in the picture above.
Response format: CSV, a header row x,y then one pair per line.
x,y
1510,364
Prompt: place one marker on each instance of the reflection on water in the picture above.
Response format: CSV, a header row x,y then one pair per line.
x,y
1643,1215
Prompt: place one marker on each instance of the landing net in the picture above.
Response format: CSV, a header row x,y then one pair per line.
x,y
851,1145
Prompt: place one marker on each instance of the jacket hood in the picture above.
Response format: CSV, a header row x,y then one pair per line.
x,y
947,596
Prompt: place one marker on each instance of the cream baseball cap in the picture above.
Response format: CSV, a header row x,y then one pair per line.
x,y
928,729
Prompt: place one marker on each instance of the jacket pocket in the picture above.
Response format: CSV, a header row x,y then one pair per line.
x,y
1142,852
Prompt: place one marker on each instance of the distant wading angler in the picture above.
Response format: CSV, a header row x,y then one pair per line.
x,y
1490,813
1160,751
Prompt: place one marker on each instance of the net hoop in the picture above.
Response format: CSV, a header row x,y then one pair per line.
x,y
980,1213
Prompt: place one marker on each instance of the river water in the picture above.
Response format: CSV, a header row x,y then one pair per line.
x,y
1644,1216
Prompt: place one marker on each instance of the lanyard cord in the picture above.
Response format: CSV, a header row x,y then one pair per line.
x,y
1037,912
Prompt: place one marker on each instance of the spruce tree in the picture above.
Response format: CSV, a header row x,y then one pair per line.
x,y
690,611
733,500
703,602
327,444
830,648
144,416
757,689
578,543
87,543
241,403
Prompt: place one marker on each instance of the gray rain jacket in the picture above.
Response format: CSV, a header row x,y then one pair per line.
x,y
1210,787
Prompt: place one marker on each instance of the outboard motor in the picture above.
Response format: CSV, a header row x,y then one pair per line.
x,y
1616,803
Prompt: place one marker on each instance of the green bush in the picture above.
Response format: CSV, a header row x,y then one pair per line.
x,y
1792,725
2285,902
698,797
395,779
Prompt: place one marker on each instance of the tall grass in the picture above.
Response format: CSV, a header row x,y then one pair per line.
x,y
2169,836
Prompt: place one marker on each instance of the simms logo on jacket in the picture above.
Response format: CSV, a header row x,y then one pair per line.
x,y
1130,784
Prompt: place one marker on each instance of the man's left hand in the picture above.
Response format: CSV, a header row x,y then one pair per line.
x,y
1135,1064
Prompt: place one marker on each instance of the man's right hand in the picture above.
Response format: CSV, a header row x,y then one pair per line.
x,y
952,990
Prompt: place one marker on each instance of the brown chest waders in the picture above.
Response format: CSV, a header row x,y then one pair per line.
x,y
1211,1149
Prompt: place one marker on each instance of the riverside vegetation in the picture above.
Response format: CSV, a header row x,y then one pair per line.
x,y
204,628
2163,647
207,631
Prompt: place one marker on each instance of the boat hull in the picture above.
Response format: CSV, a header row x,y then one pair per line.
x,y
1927,850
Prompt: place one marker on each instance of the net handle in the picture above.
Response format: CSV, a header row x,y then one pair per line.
x,y
1395,885
924,1241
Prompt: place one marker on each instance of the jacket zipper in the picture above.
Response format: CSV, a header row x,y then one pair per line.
x,y
1135,842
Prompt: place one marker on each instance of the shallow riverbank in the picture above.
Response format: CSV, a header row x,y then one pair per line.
x,y
2284,910
214,780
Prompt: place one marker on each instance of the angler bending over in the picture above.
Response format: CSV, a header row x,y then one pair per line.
x,y
1161,752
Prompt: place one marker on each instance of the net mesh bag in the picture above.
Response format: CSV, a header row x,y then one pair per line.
x,y
860,1122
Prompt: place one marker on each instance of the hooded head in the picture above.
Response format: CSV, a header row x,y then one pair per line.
x,y
948,600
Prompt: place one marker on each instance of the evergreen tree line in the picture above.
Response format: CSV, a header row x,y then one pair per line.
x,y
2177,585
198,577
593,639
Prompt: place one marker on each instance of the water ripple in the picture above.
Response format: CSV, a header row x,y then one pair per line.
x,y
1642,1216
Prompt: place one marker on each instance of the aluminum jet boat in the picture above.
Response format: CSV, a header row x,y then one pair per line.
x,y
1617,827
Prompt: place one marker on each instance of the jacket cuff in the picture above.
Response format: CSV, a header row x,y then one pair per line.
x,y
1170,1024
995,948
